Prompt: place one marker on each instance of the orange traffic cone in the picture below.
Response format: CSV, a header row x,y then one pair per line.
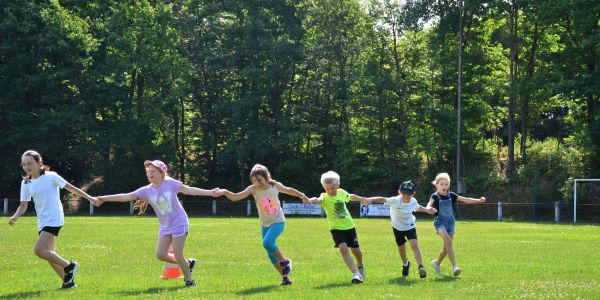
x,y
171,270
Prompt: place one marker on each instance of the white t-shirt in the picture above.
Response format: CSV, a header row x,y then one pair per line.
x,y
402,213
45,193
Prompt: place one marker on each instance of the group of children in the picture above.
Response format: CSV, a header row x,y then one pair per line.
x,y
43,186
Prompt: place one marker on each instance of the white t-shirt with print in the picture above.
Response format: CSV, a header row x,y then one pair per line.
x,y
45,193
402,213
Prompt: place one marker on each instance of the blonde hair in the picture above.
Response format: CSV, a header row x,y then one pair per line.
x,y
330,177
439,177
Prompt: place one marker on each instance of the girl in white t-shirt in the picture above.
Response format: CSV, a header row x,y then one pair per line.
x,y
403,222
43,186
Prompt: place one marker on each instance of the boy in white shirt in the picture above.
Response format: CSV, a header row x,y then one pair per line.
x,y
403,222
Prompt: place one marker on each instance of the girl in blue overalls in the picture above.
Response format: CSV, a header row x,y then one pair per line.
x,y
443,200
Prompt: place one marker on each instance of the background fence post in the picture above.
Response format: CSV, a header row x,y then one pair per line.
x,y
91,209
557,211
131,208
248,208
214,207
5,206
499,211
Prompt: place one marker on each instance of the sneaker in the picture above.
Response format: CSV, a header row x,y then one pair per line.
x,y
70,285
191,264
456,271
356,278
422,272
436,267
286,267
70,272
361,271
190,283
405,268
286,281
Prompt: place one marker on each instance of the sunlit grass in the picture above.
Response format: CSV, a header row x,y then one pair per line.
x,y
116,256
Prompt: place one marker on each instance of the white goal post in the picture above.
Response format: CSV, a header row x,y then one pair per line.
x,y
575,195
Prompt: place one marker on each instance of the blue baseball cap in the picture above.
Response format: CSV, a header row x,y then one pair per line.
x,y
407,187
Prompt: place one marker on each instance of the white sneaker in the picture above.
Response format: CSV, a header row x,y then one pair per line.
x,y
436,267
356,278
456,271
361,271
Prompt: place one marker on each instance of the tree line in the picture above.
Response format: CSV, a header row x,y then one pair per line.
x,y
365,88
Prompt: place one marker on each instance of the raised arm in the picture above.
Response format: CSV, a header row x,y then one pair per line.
x,y
20,210
290,191
77,191
239,196
118,197
190,190
471,200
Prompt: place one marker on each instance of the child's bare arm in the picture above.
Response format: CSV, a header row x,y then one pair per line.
x,y
471,200
313,200
290,191
118,197
194,191
357,198
430,203
370,200
77,191
239,196
428,209
20,210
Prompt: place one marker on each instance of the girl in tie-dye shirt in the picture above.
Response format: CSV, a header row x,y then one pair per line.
x,y
266,196
161,194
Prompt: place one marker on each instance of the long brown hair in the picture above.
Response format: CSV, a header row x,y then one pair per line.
x,y
38,158
260,170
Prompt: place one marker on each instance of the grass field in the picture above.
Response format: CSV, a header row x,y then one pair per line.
x,y
116,256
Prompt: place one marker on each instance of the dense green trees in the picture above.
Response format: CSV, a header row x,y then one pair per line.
x,y
367,88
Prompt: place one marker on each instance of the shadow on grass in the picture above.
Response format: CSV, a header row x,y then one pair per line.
x,y
263,289
335,285
446,278
154,290
22,295
401,281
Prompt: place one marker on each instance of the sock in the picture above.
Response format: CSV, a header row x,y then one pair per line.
x,y
406,263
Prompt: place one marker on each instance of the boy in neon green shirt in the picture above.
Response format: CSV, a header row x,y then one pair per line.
x,y
341,225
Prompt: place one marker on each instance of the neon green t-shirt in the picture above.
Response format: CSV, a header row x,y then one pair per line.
x,y
337,213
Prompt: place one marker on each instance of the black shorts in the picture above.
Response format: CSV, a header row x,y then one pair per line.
x,y
403,236
347,237
50,229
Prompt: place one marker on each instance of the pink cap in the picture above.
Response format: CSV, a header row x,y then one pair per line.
x,y
157,163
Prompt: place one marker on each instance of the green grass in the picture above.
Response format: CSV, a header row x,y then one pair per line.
x,y
116,256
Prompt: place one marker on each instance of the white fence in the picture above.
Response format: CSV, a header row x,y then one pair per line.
x,y
533,211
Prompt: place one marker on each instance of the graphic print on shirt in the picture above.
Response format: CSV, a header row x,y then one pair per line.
x,y
268,206
339,209
162,203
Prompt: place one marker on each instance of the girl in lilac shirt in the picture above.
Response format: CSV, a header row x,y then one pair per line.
x,y
161,194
